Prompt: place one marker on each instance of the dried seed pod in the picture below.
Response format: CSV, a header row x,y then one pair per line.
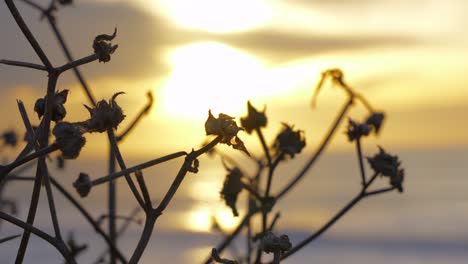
x,y
231,188
103,47
357,130
254,119
289,141
389,166
69,137
58,109
104,116
375,120
83,184
225,127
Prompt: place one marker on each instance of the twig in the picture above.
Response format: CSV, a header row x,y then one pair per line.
x,y
121,162
24,64
137,119
61,247
319,150
8,238
141,166
361,162
75,64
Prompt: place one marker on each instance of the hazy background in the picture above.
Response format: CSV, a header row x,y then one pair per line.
x,y
408,58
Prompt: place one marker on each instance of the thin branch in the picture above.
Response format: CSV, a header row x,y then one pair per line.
x,y
38,154
144,189
141,166
78,62
29,36
319,150
264,145
380,191
361,161
31,229
24,64
8,238
88,218
120,160
137,119
324,228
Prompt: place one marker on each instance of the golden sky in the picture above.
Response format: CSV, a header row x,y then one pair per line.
x,y
407,57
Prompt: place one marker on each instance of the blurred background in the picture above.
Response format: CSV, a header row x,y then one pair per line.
x,y
408,58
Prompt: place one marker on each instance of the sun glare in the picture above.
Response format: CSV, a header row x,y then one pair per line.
x,y
221,16
210,75
202,218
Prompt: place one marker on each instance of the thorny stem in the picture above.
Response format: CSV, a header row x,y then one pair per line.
x,y
24,64
27,33
141,166
118,156
58,244
319,150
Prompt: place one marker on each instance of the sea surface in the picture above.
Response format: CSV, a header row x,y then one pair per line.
x,y
427,223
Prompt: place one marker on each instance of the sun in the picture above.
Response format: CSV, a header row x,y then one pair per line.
x,y
220,16
210,75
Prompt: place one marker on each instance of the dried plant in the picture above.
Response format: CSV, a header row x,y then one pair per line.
x,y
105,117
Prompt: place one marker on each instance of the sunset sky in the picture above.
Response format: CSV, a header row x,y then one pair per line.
x,y
408,58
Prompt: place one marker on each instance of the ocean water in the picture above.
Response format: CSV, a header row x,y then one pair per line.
x,y
428,223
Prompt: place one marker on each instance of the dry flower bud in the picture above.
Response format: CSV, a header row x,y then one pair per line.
x,y
10,138
58,110
102,46
289,141
254,119
231,188
225,127
384,163
272,243
83,184
104,116
375,120
356,130
69,137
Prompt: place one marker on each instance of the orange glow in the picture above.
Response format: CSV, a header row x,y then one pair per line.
x,y
217,15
